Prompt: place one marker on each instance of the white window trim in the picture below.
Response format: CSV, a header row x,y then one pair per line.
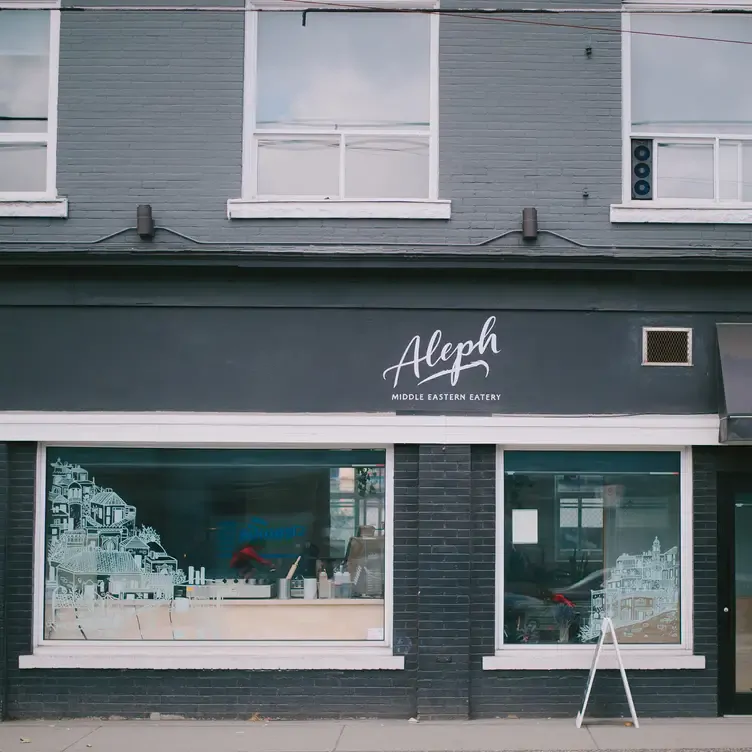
x,y
262,655
356,429
249,206
46,203
551,657
666,211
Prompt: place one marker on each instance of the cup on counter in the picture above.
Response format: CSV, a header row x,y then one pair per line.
x,y
310,585
283,589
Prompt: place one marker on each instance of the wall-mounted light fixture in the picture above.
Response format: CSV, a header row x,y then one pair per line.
x,y
144,222
529,224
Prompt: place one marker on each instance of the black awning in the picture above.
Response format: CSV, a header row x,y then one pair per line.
x,y
735,350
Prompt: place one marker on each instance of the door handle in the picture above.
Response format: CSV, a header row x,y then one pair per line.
x,y
725,609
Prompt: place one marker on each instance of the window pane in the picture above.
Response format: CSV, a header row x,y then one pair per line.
x,y
386,168
23,167
685,171
691,85
728,169
191,544
747,172
607,545
24,71
298,167
340,69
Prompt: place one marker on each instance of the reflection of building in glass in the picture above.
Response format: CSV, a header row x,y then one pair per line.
x,y
637,589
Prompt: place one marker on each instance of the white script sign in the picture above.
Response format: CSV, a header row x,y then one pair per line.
x,y
447,359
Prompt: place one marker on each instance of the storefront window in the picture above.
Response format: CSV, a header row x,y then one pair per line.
x,y
589,535
202,544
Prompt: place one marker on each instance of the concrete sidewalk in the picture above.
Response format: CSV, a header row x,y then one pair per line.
x,y
373,736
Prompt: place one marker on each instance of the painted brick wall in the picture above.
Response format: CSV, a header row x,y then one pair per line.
x,y
151,112
444,622
559,693
207,694
4,509
445,532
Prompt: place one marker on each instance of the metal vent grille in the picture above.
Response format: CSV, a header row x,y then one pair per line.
x,y
662,346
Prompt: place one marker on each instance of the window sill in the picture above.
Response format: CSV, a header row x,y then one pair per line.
x,y
408,209
638,212
229,658
56,207
532,659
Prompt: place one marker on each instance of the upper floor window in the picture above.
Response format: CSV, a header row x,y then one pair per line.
x,y
688,110
341,110
29,39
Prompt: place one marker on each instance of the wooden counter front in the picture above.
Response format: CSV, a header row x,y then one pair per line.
x,y
191,619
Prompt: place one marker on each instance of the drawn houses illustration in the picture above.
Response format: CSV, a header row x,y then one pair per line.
x,y
640,592
96,550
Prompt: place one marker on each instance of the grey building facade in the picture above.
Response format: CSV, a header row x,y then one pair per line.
x,y
457,445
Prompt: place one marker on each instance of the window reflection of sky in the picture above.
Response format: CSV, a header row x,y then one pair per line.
x,y
689,85
343,70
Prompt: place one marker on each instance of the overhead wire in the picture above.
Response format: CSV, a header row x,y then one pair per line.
x,y
487,14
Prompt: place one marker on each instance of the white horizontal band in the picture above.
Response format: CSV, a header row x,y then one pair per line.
x,y
55,208
260,209
644,213
580,657
215,658
357,429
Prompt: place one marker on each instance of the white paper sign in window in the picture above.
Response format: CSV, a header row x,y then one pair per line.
x,y
524,526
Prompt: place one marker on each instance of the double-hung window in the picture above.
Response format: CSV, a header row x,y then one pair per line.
x,y
340,113
29,42
687,113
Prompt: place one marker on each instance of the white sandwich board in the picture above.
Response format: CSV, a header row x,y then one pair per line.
x,y
607,626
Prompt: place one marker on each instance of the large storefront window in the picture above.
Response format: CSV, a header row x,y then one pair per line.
x,y
589,535
225,544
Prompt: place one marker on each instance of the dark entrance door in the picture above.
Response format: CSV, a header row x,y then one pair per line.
x,y
735,593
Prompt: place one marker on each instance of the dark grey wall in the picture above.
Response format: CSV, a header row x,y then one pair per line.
x,y
205,340
205,694
326,360
443,622
4,513
559,693
151,112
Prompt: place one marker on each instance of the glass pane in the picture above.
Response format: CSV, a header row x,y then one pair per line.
x,y
691,85
747,172
23,167
24,71
607,544
340,69
728,171
298,167
193,544
386,168
743,591
685,171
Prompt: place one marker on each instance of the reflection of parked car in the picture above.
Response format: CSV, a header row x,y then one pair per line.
x,y
550,618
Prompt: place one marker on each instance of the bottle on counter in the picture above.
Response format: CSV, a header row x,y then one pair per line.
x,y
324,585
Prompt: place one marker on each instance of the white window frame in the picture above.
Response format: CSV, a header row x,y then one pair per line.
x,y
676,211
249,206
43,203
207,654
573,656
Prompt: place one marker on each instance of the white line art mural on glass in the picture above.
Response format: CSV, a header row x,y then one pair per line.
x,y
96,556
641,595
